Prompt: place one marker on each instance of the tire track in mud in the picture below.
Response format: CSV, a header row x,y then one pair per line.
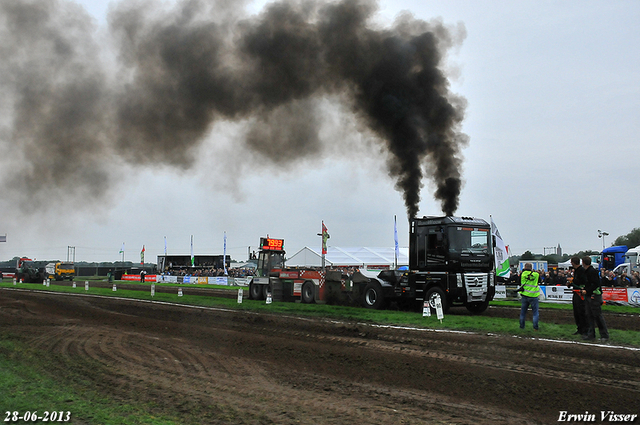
x,y
135,359
539,363
137,356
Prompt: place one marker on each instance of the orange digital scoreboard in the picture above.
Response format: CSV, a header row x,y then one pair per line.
x,y
268,244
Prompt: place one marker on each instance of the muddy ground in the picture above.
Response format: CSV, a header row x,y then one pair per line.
x,y
218,366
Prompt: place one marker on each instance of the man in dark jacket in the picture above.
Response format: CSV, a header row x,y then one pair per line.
x,y
593,305
623,281
578,301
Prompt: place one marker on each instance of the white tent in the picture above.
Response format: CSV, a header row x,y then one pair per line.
x,y
353,257
566,265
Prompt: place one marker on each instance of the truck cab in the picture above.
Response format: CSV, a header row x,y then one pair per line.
x,y
60,271
632,256
452,257
613,256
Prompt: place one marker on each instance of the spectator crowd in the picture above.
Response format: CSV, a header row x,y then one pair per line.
x,y
210,272
562,277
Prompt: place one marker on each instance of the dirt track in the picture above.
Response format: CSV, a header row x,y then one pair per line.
x,y
217,366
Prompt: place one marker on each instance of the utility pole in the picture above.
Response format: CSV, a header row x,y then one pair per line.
x,y
71,254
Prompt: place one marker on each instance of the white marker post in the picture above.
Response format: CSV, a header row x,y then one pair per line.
x,y
239,295
114,287
48,282
269,300
153,290
439,312
179,292
15,281
86,285
426,309
73,285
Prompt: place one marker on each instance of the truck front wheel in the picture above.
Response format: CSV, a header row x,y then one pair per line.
x,y
478,307
373,296
431,296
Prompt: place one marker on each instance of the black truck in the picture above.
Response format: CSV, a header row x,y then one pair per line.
x,y
449,257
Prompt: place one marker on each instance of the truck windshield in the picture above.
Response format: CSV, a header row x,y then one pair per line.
x,y
467,240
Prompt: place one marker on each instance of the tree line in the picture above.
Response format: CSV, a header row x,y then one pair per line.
x,y
631,239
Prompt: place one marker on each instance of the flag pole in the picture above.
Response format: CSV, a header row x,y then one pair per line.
x,y
224,255
192,258
395,239
325,236
324,247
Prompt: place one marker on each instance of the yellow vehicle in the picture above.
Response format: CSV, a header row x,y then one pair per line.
x,y
60,271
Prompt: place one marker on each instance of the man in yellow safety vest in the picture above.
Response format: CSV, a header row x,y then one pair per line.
x,y
529,290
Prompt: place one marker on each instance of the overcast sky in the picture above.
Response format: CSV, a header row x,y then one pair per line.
x,y
552,116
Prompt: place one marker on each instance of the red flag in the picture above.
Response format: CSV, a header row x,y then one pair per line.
x,y
142,255
325,236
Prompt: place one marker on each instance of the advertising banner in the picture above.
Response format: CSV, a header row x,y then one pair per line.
x,y
218,280
167,279
615,294
136,277
241,281
558,293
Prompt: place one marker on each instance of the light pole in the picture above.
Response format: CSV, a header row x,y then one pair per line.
x,y
602,234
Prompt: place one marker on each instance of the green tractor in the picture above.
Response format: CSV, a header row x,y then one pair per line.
x,y
29,271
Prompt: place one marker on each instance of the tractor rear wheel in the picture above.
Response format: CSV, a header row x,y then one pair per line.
x,y
255,291
308,292
373,297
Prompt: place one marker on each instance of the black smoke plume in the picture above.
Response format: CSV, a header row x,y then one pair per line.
x,y
70,112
